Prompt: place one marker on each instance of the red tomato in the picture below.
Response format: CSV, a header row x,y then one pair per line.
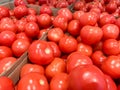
x,y
56,50
40,52
66,13
75,59
98,58
68,44
33,81
4,12
111,66
74,27
62,4
28,68
84,49
44,20
56,66
60,22
6,63
77,14
110,31
55,34
6,83
19,2
111,47
87,77
42,33
31,1
5,52
111,7
110,83
91,34
7,38
98,46
59,82
20,11
19,46
79,5
31,18
32,11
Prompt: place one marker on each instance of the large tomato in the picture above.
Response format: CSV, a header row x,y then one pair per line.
x,y
40,52
87,77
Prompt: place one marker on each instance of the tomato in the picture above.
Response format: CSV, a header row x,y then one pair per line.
x,y
40,52
68,44
42,33
110,31
42,2
98,58
19,2
6,63
62,4
79,5
19,46
60,22
4,12
74,27
7,38
77,14
32,29
91,34
111,47
75,59
20,11
98,46
32,11
56,66
31,1
88,18
111,7
110,83
55,34
6,83
111,66
44,20
87,77
84,49
31,18
28,68
5,52
66,13
56,49
33,81
59,82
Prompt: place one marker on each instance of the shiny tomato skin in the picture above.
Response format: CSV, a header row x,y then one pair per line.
x,y
91,34
19,2
32,11
59,82
87,77
40,52
111,47
6,83
111,66
6,63
39,82
55,34
5,52
28,68
31,18
77,14
20,46
110,31
68,44
75,59
7,38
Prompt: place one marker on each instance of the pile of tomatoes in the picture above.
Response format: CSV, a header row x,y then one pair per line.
x,y
81,50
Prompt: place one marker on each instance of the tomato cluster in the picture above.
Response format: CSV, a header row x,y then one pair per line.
x,y
80,49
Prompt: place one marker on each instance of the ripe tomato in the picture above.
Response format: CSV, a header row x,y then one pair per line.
x,y
7,38
28,68
5,52
87,77
33,81
44,20
111,66
55,34
31,1
59,82
111,47
19,46
31,18
79,5
110,31
19,2
6,63
32,11
111,7
68,44
32,29
56,66
62,4
75,59
20,11
6,83
40,52
91,34
77,14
